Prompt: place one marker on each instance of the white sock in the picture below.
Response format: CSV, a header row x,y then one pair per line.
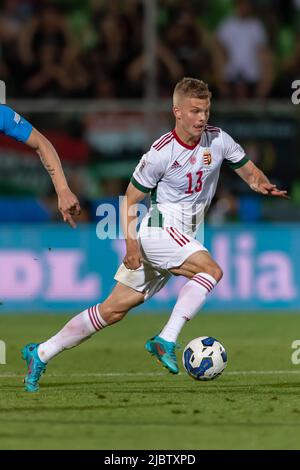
x,y
190,300
77,330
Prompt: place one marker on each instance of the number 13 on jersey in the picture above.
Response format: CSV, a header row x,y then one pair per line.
x,y
198,185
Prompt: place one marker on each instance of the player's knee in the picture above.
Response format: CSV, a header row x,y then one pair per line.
x,y
215,271
111,314
218,273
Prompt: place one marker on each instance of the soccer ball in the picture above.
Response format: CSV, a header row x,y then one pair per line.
x,y
204,358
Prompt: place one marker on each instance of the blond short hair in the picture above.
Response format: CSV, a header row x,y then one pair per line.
x,y
191,88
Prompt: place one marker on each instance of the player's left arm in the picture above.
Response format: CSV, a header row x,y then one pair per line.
x,y
258,181
67,202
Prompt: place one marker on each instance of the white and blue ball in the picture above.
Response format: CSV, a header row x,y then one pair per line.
x,y
204,358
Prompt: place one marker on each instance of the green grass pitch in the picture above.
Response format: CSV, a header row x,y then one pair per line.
x,y
109,393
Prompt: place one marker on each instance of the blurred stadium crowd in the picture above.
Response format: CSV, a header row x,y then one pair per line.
x,y
244,50
94,49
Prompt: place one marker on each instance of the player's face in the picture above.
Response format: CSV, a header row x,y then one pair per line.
x,y
192,115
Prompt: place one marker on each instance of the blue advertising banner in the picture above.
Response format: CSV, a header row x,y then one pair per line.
x,y
54,268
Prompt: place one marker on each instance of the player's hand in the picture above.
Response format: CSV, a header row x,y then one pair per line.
x,y
269,189
68,205
133,257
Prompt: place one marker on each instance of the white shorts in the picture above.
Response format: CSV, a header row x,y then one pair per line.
x,y
162,249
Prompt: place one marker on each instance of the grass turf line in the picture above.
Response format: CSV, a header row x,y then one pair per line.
x,y
75,410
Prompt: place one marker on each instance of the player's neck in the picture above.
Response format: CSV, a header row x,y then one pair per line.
x,y
186,138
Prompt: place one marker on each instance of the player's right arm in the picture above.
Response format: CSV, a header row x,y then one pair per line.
x,y
133,196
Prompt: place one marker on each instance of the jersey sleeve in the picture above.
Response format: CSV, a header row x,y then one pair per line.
x,y
13,125
234,154
149,171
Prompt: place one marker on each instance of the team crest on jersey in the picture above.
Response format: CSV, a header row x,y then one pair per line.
x,y
207,158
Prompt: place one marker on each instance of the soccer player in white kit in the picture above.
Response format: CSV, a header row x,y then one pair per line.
x,y
180,171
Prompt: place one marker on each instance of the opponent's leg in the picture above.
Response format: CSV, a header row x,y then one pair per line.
x,y
204,274
79,329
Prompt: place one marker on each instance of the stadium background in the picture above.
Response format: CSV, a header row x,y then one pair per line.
x,y
96,78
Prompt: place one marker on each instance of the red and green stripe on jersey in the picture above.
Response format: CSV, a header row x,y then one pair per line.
x,y
163,141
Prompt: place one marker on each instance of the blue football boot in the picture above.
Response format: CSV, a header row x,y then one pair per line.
x,y
36,367
164,351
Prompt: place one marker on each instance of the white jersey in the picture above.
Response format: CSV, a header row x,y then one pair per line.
x,y
182,179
